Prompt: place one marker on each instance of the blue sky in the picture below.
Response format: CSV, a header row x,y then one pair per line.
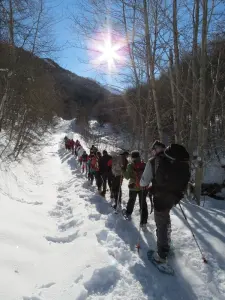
x,y
71,57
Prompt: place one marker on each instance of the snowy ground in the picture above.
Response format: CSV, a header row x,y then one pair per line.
x,y
61,241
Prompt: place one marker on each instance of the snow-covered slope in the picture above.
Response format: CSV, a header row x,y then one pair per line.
x,y
60,241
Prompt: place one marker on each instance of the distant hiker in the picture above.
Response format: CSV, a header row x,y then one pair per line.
x,y
69,144
168,186
84,162
119,164
98,177
105,171
93,150
72,143
77,145
93,169
92,165
134,172
66,142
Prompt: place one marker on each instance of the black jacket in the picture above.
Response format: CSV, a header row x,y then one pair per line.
x,y
103,164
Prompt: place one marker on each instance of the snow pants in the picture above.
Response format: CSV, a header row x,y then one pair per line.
x,y
163,232
142,202
98,180
106,178
116,188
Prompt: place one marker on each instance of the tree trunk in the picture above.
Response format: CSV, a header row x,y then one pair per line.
x,y
194,77
177,98
202,102
151,70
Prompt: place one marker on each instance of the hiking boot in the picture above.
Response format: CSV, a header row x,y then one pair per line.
x,y
158,259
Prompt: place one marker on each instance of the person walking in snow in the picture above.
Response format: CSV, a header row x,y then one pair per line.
x,y
105,171
65,141
92,166
134,172
119,165
72,146
169,180
84,162
98,177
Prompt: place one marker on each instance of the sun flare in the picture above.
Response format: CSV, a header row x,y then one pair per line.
x,y
108,50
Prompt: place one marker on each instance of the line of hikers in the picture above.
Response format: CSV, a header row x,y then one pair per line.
x,y
163,179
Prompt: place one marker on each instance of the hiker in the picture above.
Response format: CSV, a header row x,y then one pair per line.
x,y
119,164
134,172
77,145
169,182
93,150
105,171
65,141
84,159
72,143
92,166
158,149
98,177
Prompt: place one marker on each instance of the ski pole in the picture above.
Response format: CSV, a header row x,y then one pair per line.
x,y
196,241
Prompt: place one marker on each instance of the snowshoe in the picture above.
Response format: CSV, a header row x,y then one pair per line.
x,y
160,264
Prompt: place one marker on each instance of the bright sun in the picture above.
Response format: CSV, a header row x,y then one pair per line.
x,y
109,54
108,50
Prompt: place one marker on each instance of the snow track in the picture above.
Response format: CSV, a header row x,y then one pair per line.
x,y
61,241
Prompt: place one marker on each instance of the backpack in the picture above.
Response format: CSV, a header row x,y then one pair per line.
x,y
138,169
94,163
172,176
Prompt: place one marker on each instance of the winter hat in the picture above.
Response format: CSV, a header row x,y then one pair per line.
x,y
104,152
124,152
158,144
135,154
177,152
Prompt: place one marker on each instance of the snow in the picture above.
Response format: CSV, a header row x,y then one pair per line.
x,y
61,241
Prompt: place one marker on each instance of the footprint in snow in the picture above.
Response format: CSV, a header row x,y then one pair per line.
x,y
69,224
46,286
95,217
102,280
79,278
63,240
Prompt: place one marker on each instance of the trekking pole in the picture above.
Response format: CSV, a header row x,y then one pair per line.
x,y
196,241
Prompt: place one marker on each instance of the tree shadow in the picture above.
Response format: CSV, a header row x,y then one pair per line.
x,y
154,284
198,218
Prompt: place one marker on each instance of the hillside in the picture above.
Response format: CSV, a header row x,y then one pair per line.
x,y
73,92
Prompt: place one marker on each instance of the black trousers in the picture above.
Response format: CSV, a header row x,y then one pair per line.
x,y
116,188
142,202
106,178
98,180
163,231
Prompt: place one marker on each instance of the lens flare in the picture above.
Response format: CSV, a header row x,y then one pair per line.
x,y
108,49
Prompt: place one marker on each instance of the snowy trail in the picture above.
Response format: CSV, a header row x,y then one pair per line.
x,y
61,241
